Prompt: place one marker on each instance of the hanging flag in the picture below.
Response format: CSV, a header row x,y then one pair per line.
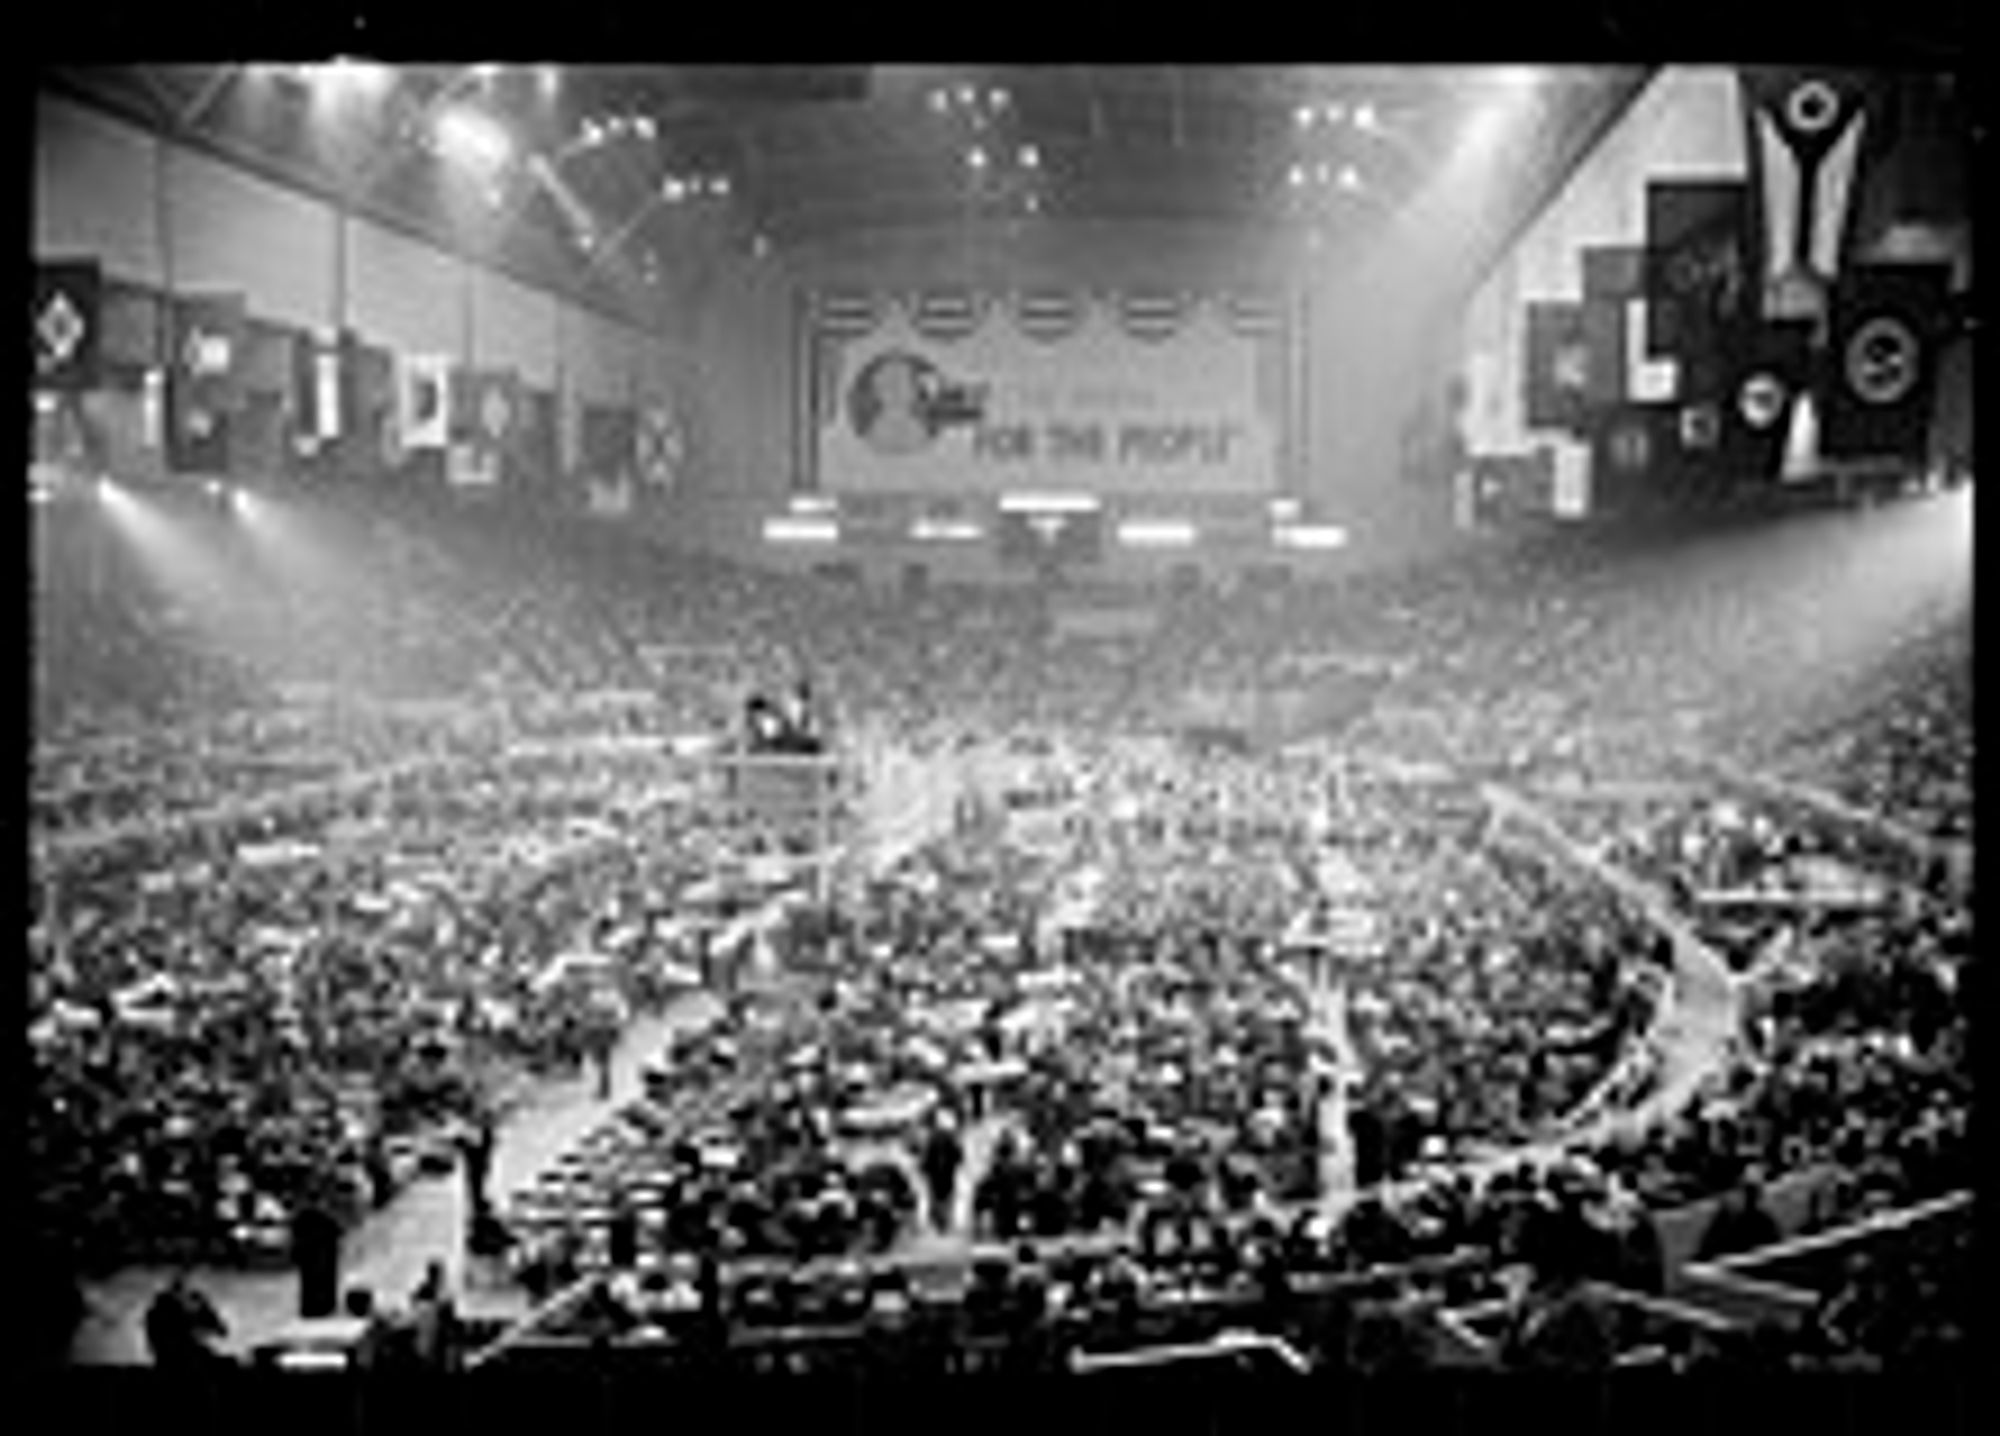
x,y
266,366
608,440
63,321
1696,282
1514,490
1888,325
1812,133
534,455
203,395
607,455
485,408
1556,367
1631,449
661,445
316,392
1604,352
1569,484
1771,368
129,332
370,444
423,401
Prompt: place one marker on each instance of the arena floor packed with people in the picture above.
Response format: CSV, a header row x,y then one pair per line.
x,y
1491,1028
904,720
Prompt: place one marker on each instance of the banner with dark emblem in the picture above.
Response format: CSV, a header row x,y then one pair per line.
x,y
1697,288
1888,324
63,323
203,389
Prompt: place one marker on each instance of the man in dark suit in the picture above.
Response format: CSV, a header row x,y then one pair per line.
x,y
942,1155
476,1146
316,1253
182,1324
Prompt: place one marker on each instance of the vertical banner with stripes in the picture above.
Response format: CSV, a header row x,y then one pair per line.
x,y
1812,134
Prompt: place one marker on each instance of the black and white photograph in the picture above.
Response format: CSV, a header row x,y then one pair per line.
x,y
1067,720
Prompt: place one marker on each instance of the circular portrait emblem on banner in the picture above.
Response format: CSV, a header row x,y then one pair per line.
x,y
891,402
1882,361
1761,400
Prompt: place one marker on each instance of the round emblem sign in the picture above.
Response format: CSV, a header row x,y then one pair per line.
x,y
1882,361
1760,400
1812,106
1701,427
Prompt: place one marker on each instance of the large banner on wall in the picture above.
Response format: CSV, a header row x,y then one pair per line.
x,y
956,389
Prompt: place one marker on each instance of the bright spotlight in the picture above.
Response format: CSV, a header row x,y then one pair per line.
x,y
977,159
548,81
1350,178
722,185
1304,116
1031,158
343,78
474,140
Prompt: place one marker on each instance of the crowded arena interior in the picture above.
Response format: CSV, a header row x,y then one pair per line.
x,y
908,719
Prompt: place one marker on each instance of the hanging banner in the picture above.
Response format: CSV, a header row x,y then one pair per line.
x,y
63,322
1141,391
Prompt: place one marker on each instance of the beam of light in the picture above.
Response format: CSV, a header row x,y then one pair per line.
x,y
474,140
345,83
1802,607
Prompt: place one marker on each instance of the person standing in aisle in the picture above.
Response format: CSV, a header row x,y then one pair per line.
x,y
316,1253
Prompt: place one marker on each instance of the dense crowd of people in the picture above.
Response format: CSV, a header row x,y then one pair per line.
x,y
331,850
